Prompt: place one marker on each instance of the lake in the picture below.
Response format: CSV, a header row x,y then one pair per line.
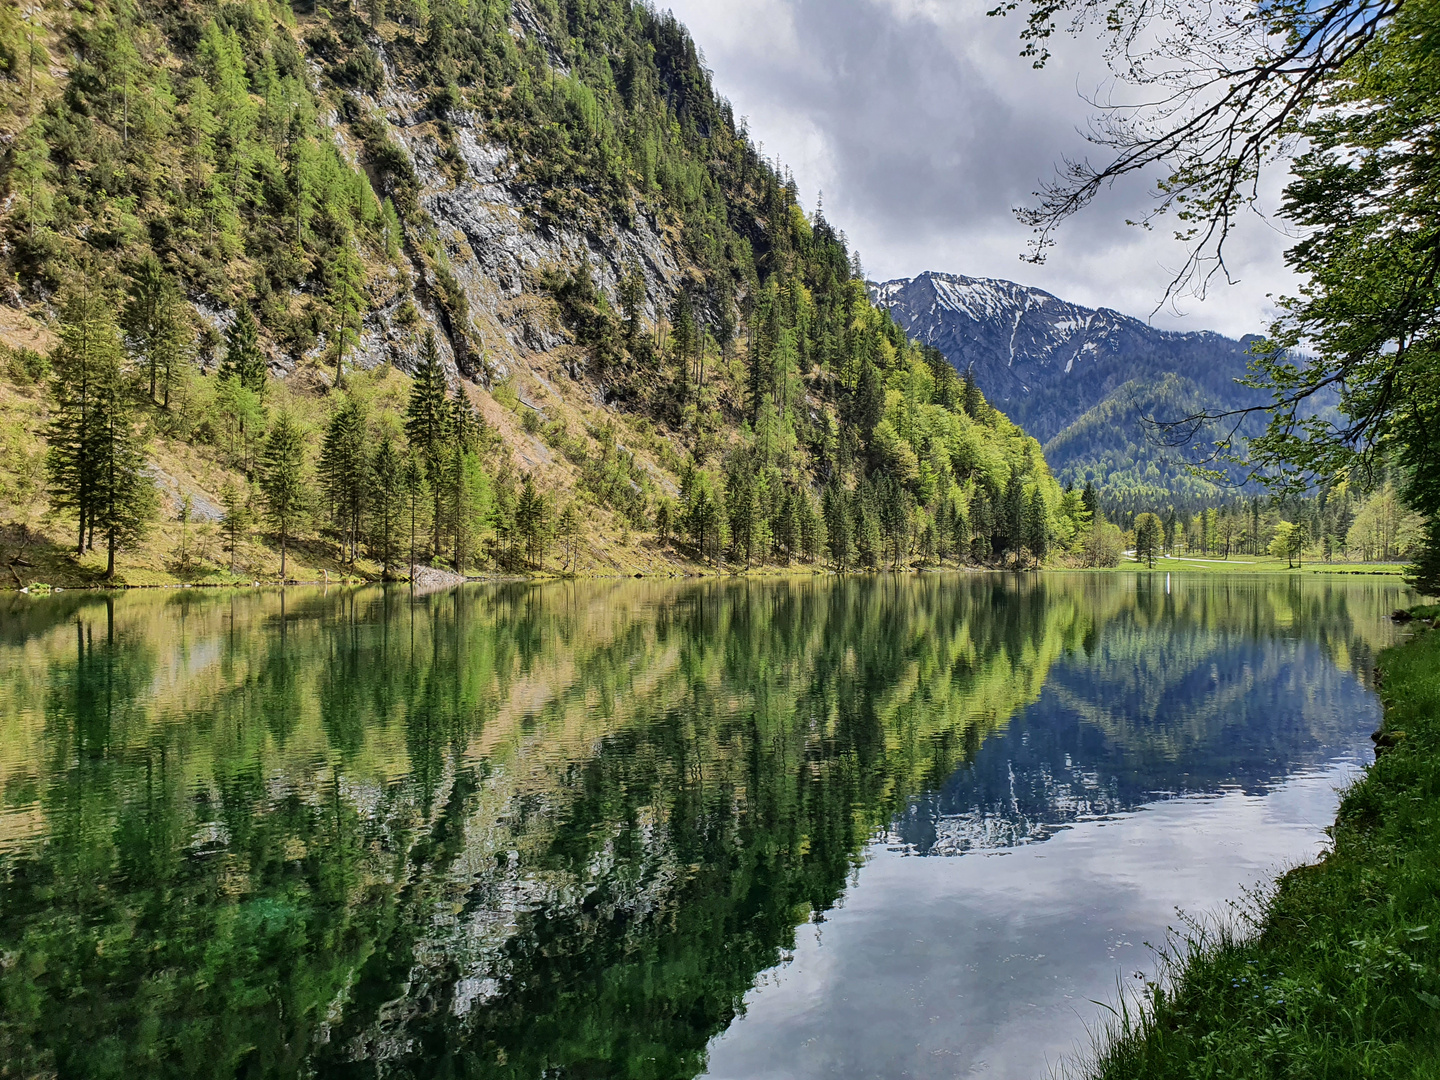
x,y
911,826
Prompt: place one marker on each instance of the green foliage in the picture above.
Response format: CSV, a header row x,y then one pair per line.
x,y
283,481
96,460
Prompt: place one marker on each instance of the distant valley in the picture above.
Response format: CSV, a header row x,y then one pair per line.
x,y
1082,381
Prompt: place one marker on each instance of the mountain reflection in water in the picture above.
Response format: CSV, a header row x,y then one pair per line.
x,y
560,830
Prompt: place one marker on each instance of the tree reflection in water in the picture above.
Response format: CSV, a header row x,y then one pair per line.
x,y
558,830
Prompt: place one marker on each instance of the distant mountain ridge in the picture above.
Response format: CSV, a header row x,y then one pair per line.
x,y
1081,380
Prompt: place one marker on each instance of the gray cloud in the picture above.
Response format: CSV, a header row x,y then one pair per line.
x,y
924,128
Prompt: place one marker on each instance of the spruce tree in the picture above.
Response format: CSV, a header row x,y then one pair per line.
x,y
1037,526
427,427
125,501
567,531
244,359
237,519
982,524
971,400
532,520
282,480
414,485
387,500
1012,512
158,324
86,368
345,473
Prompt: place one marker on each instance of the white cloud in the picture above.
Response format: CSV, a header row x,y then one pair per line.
x,y
924,129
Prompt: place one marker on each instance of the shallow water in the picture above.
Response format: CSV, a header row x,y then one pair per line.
x,y
877,827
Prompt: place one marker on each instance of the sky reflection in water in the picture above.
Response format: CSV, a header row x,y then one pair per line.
x,y
563,830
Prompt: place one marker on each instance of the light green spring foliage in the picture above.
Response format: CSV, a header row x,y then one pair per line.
x,y
190,147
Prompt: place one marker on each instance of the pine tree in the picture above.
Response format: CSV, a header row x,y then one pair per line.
x,y
532,520
427,427
236,521
86,361
1037,526
1012,512
125,500
157,321
244,359
345,473
387,500
282,480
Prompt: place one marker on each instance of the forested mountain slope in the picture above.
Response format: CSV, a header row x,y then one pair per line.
x,y
1081,380
615,310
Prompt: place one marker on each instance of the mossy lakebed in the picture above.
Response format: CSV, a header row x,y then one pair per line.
x,y
1341,977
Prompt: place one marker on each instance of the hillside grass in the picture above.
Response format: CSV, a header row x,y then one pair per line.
x,y
1339,975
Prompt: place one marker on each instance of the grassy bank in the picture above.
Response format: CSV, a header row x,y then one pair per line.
x,y
1342,977
1261,564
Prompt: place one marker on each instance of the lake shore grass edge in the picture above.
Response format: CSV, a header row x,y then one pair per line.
x,y
1337,973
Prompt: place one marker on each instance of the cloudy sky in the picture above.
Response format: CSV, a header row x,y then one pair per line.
x,y
923,129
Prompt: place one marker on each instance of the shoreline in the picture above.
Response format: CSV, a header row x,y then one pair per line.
x,y
1197,567
1339,974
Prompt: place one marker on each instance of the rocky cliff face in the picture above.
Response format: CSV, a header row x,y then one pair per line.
x,y
496,250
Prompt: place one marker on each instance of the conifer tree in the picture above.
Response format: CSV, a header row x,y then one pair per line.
x,y
414,484
85,364
982,524
96,459
387,500
971,400
347,305
532,520
427,427
158,324
567,532
1012,512
244,359
838,527
1037,531
237,519
869,399
282,480
125,501
962,533
1149,536
345,473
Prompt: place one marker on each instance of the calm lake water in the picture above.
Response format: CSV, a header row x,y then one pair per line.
x,y
877,827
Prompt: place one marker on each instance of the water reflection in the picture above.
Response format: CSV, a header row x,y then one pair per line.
x,y
525,831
